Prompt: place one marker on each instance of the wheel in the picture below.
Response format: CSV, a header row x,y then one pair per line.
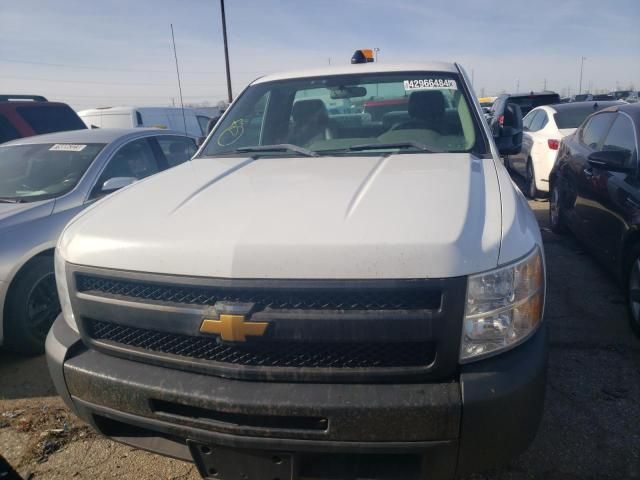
x,y
633,289
532,191
557,220
32,307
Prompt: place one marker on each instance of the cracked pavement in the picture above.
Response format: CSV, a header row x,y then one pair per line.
x,y
589,429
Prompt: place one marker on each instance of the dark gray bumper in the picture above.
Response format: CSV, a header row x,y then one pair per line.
x,y
483,420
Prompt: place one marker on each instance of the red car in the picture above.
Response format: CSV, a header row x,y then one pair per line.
x,y
27,115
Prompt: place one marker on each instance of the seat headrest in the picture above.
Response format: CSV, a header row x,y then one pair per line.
x,y
426,105
309,111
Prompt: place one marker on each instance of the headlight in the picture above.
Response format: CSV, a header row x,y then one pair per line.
x,y
504,307
63,291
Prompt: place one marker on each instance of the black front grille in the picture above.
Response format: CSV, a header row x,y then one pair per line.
x,y
408,297
269,354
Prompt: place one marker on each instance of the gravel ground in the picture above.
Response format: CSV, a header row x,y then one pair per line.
x,y
589,429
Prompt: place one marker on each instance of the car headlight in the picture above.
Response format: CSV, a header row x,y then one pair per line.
x,y
504,307
63,291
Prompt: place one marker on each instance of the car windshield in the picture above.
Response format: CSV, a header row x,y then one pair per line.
x,y
574,116
412,111
38,171
528,103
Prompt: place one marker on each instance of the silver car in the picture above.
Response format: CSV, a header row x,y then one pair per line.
x,y
44,182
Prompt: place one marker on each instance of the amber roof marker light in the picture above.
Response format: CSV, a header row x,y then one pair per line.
x,y
364,55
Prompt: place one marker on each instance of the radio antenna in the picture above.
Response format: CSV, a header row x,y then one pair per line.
x,y
175,55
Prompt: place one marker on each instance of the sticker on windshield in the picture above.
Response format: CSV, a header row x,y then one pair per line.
x,y
68,147
430,83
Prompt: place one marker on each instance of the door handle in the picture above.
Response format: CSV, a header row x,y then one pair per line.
x,y
588,172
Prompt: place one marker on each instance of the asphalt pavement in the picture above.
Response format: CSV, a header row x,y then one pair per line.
x,y
590,428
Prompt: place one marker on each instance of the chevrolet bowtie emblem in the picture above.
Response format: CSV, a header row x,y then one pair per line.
x,y
233,328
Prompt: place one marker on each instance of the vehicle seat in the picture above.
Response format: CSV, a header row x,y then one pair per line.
x,y
310,122
426,111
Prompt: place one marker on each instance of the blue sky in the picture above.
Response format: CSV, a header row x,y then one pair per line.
x,y
118,52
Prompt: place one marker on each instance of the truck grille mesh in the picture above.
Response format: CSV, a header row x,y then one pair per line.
x,y
269,354
406,298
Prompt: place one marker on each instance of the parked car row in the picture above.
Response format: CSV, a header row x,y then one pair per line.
x,y
187,120
45,180
543,129
595,193
27,115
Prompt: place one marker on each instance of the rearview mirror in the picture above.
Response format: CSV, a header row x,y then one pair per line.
x,y
509,133
116,183
338,93
200,141
611,160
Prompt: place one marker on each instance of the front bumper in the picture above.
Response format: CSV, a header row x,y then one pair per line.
x,y
485,418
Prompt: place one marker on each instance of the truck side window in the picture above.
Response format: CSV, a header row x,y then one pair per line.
x,y
176,149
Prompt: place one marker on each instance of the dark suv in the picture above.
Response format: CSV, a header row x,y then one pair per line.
x,y
526,102
27,115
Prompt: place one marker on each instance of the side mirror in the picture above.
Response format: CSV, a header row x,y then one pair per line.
x,y
611,160
509,133
116,183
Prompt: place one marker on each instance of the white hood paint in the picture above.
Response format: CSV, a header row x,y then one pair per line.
x,y
360,217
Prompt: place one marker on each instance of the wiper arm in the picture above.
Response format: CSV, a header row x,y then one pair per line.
x,y
282,147
388,146
10,200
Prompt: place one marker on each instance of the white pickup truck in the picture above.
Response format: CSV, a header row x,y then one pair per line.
x,y
318,293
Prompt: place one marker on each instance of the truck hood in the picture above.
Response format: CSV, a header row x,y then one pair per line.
x,y
13,213
359,217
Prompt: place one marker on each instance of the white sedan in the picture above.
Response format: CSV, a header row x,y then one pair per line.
x,y
544,127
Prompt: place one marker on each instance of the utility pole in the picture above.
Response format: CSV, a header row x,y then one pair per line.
x,y
582,59
544,88
226,50
518,86
472,76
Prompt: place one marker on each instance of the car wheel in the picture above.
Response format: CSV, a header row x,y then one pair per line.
x,y
532,191
557,220
633,290
32,307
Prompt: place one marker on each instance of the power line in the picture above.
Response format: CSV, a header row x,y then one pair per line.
x,y
91,67
142,84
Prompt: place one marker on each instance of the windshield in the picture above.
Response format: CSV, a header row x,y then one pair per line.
x,y
528,103
573,117
40,171
426,111
51,118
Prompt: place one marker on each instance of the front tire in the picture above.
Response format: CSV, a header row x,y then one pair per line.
x,y
532,191
32,307
633,289
557,221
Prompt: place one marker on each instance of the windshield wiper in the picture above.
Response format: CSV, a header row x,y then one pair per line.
x,y
389,146
10,200
384,146
282,147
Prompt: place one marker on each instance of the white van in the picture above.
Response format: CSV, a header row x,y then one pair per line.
x,y
159,117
